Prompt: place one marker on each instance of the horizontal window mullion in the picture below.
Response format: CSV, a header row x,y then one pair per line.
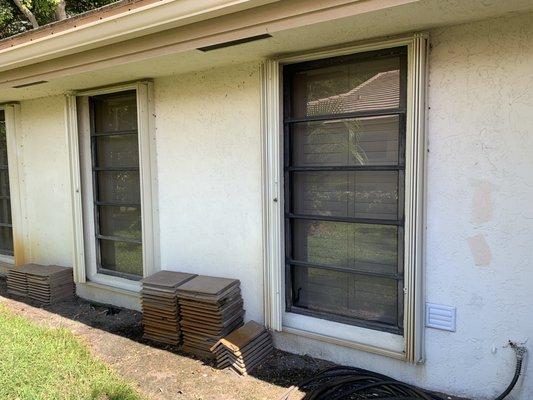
x,y
116,133
118,204
7,252
373,221
347,168
6,225
355,114
119,239
396,277
116,169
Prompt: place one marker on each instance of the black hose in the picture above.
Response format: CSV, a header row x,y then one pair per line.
x,y
350,383
520,351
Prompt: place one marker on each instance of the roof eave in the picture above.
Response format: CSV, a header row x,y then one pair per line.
x,y
151,18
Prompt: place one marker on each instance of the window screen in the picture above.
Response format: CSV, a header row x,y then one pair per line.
x,y
116,184
6,227
344,122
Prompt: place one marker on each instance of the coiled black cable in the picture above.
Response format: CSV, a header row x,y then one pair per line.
x,y
350,383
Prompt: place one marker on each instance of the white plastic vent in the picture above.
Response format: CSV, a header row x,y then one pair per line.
x,y
440,317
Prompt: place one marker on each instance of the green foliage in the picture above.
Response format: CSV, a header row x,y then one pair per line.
x,y
51,364
12,21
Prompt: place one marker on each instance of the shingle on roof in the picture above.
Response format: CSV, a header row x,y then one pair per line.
x,y
379,92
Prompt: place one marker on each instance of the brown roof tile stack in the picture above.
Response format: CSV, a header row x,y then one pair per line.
x,y
244,349
17,283
160,306
49,284
211,308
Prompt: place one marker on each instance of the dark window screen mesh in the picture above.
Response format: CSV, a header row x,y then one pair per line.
x,y
344,188
115,155
6,227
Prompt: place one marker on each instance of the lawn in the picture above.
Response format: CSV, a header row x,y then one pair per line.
x,y
38,363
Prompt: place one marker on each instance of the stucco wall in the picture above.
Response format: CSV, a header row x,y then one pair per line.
x,y
209,166
479,215
44,166
479,211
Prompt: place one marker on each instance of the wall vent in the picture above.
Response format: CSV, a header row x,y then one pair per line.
x,y
29,84
235,42
440,317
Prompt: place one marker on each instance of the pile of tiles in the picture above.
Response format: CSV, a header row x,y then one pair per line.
x,y
46,284
211,308
17,283
244,349
160,309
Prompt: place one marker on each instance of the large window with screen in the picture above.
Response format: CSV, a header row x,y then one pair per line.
x,y
344,166
116,184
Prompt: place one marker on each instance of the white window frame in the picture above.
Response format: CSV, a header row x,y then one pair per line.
x,y
16,184
410,345
78,135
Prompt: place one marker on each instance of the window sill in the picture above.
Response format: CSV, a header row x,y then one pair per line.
x,y
378,342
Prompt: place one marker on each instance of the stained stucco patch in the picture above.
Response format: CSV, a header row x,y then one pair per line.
x,y
480,250
481,202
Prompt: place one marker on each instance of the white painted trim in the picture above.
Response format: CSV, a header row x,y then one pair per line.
x,y
272,193
413,344
83,219
78,250
16,185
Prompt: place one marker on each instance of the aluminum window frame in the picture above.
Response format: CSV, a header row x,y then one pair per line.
x,y
288,124
408,346
82,189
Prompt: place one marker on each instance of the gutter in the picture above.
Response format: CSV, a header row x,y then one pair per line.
x,y
139,21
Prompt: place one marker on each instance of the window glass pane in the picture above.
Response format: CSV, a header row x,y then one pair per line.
x,y
358,247
6,240
346,142
124,222
117,151
4,182
121,257
119,186
116,112
345,294
353,86
5,211
360,194
3,140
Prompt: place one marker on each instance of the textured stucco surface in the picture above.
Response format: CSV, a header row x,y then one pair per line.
x,y
44,166
209,166
479,183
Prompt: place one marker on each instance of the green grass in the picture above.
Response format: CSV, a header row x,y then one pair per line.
x,y
38,363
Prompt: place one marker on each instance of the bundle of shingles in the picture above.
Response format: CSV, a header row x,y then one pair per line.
x,y
160,306
211,308
244,349
47,284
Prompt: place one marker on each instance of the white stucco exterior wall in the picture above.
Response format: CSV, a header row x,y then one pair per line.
x,y
479,251
209,165
44,167
479,215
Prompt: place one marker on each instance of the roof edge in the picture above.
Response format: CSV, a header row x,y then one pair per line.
x,y
113,23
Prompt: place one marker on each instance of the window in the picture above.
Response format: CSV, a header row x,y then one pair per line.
x,y
116,184
113,186
344,178
6,226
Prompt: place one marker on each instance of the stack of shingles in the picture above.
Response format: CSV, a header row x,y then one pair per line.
x,y
211,308
160,306
49,284
17,283
244,349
